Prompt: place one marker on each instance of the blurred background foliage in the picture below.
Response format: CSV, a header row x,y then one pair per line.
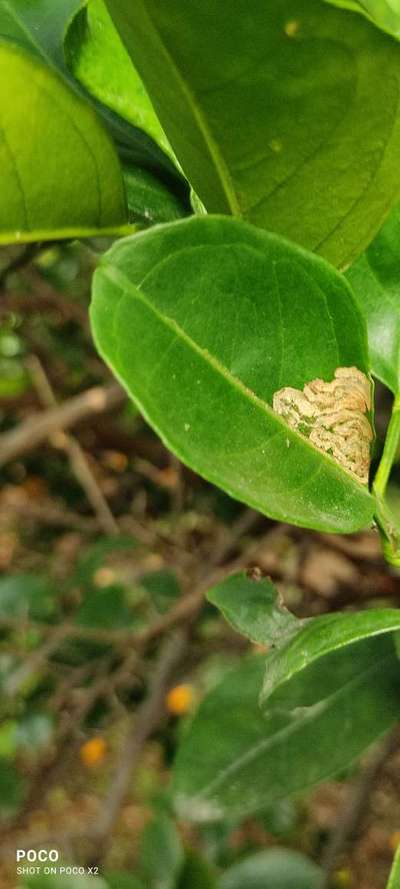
x,y
103,538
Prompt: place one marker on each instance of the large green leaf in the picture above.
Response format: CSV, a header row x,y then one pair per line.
x,y
375,279
234,761
202,321
283,112
320,638
273,869
60,176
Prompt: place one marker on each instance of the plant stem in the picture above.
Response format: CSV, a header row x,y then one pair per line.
x,y
389,451
394,879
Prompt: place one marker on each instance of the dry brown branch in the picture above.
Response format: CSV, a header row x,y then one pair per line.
x,y
32,432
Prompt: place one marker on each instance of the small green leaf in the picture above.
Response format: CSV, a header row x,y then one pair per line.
x,y
316,639
163,587
203,320
234,761
253,608
64,180
149,200
26,596
99,60
375,279
161,854
105,608
275,869
284,113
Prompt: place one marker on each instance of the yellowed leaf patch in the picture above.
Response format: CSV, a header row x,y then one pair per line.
x,y
333,416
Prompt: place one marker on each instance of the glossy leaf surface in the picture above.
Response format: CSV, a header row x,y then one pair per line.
x,y
320,638
60,173
375,279
234,761
101,63
202,321
285,113
253,608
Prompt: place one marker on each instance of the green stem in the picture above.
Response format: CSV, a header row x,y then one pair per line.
x,y
389,452
394,879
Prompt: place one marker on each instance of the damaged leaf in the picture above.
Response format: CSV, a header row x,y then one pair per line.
x,y
333,417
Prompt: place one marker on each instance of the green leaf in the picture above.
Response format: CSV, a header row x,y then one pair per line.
x,y
105,608
382,12
196,874
163,587
253,608
375,279
285,113
43,28
234,761
149,200
319,638
26,596
98,59
202,321
275,869
161,854
12,788
64,180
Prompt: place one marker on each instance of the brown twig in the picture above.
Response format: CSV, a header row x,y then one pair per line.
x,y
32,432
141,726
77,458
351,819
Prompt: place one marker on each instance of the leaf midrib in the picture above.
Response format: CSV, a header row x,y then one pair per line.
x,y
214,150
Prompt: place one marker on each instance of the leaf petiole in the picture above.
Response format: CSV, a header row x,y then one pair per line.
x,y
386,520
389,451
394,878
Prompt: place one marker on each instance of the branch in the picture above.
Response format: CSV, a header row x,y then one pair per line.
x,y
32,432
142,725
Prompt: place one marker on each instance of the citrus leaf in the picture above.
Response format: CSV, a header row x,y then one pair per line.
x,y
285,113
253,608
64,180
321,638
234,761
203,320
375,279
99,60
